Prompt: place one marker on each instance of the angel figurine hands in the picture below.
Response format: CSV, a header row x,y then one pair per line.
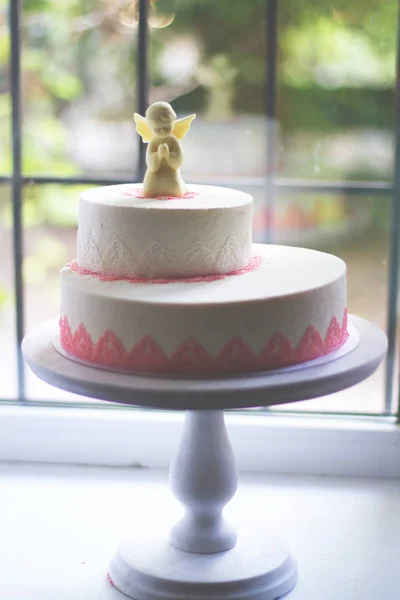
x,y
164,157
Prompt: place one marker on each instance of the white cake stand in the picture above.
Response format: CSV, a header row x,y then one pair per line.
x,y
204,559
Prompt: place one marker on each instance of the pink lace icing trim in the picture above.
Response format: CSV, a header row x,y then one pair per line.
x,y
137,192
190,358
252,266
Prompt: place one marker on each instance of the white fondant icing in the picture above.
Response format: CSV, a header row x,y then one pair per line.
x,y
124,235
294,288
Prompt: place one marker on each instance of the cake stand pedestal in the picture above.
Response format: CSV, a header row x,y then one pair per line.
x,y
203,558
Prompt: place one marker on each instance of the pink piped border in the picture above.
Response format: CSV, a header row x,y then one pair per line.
x,y
252,266
190,358
137,192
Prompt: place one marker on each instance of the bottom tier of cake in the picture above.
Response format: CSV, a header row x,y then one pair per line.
x,y
288,307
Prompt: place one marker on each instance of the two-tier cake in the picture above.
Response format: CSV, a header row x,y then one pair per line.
x,y
173,285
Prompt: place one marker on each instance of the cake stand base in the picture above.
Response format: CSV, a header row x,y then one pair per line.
x,y
257,568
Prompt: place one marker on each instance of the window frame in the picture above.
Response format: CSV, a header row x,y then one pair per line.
x,y
351,445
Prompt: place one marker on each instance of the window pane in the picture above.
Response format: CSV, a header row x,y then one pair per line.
x,y
50,221
205,60
5,98
336,89
8,364
355,228
79,88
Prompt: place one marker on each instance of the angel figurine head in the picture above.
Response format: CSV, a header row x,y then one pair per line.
x,y
164,157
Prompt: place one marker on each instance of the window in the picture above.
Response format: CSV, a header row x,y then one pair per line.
x,y
304,94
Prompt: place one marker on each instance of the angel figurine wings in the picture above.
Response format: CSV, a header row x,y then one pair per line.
x,y
164,157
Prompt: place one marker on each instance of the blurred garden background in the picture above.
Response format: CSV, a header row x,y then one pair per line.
x,y
335,98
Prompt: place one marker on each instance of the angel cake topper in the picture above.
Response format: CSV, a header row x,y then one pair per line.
x,y
164,157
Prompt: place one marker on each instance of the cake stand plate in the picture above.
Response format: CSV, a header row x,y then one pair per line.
x,y
243,391
204,558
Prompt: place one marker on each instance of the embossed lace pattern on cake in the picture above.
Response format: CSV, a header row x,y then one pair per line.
x,y
198,255
115,256
230,254
190,358
153,261
117,259
92,255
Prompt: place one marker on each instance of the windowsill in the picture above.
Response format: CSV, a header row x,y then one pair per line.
x,y
313,445
60,525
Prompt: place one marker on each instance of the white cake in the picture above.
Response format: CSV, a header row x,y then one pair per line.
x,y
206,232
174,286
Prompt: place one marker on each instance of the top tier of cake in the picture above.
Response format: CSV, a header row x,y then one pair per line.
x,y
122,234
